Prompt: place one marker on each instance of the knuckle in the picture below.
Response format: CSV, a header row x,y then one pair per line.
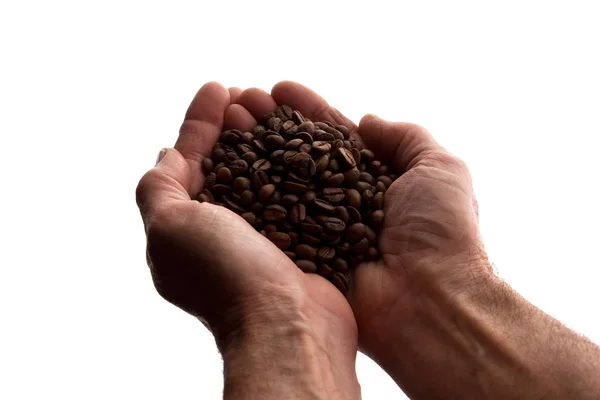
x,y
451,162
145,184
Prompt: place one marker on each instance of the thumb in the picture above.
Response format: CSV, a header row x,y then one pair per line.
x,y
168,181
400,144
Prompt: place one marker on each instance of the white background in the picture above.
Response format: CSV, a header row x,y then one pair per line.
x,y
91,91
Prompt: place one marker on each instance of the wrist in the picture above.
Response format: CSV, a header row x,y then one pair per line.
x,y
278,350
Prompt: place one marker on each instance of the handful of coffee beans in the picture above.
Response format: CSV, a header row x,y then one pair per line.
x,y
306,186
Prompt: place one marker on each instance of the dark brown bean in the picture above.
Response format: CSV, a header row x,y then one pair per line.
x,y
320,218
335,180
321,135
289,199
232,205
323,206
274,124
351,177
210,180
340,265
249,217
265,192
276,180
335,225
230,137
343,249
291,255
322,163
378,200
257,208
280,240
274,141
311,229
333,166
372,254
380,187
305,137
203,198
321,147
355,215
344,131
367,198
353,198
367,177
250,157
262,165
208,165
275,198
247,198
270,228
307,266
356,155
333,195
230,157
295,239
224,175
384,170
274,213
241,183
297,212
366,156
362,186
341,282
374,167
238,167
305,148
310,239
306,252
346,158
326,254
218,155
355,232
288,156
247,137
259,179
386,180
377,219
360,247
258,130
306,126
325,175
294,187
277,156
309,197
259,147
220,189
371,235
243,148
342,213
297,117
325,270
337,144
293,144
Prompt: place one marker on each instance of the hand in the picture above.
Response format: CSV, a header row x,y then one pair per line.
x,y
212,264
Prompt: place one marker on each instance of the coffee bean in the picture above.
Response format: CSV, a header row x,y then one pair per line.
x,y
356,155
307,266
325,175
341,282
294,187
297,212
288,156
374,167
231,138
335,180
276,179
279,169
210,180
287,127
203,198
247,197
220,189
377,219
259,179
367,197
323,136
208,165
250,157
249,217
384,170
265,192
308,197
305,137
291,255
323,125
380,187
378,200
270,228
321,147
360,247
258,131
344,131
310,239
295,238
261,165
340,265
343,249
357,143
353,198
311,228
306,126
323,206
286,226
337,144
238,167
247,137
274,124
366,156
219,166
333,195
294,144
306,252
259,147
355,215
356,232
341,213
322,163
257,208
292,176
326,254
367,177
230,157
232,205
348,145
320,219
241,183
345,157
335,225
218,155
274,213
289,199
274,142
371,235
305,148
277,156
280,240
243,148
386,180
297,117
351,177
355,260
333,166
224,175
325,270
362,186
372,254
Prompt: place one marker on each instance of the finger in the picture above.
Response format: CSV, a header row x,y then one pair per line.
x,y
234,94
201,129
396,143
237,117
309,103
257,102
166,182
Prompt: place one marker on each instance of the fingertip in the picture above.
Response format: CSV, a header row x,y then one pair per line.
x,y
209,103
234,94
237,117
257,102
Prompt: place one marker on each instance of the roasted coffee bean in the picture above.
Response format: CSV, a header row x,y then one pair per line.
x,y
333,195
372,254
274,124
218,155
367,177
378,200
247,198
337,144
270,228
310,239
209,194
360,247
279,169
355,260
376,219
241,183
306,126
325,270
287,127
238,167
297,212
357,143
366,198
366,156
342,213
291,255
276,179
311,228
246,137
384,170
257,208
286,226
259,147
219,166
307,266
294,144
353,198
323,206
323,136
203,198
308,197
250,157
386,180
346,158
249,217
258,130
231,138
306,252
277,156
335,180
274,213
230,157
362,186
265,192
262,165
289,199
340,265
295,238
333,166
321,147
284,112
232,205
280,239
356,155
220,189
305,148
305,137
356,232
288,156
326,254
337,134
335,225
340,281
355,215
344,131
274,142
351,177
294,187
322,163
259,179
325,175
306,168
348,145
320,219
208,165
292,176
371,235
297,117
380,187
323,125
210,180
374,167
224,175
343,249
275,198
243,148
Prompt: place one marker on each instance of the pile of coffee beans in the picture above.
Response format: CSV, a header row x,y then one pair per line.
x,y
307,186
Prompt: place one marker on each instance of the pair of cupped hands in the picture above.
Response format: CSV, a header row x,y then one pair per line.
x,y
208,261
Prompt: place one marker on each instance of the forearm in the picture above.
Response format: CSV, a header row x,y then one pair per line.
x,y
273,359
489,342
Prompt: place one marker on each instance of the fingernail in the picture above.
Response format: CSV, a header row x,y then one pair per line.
x,y
161,155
